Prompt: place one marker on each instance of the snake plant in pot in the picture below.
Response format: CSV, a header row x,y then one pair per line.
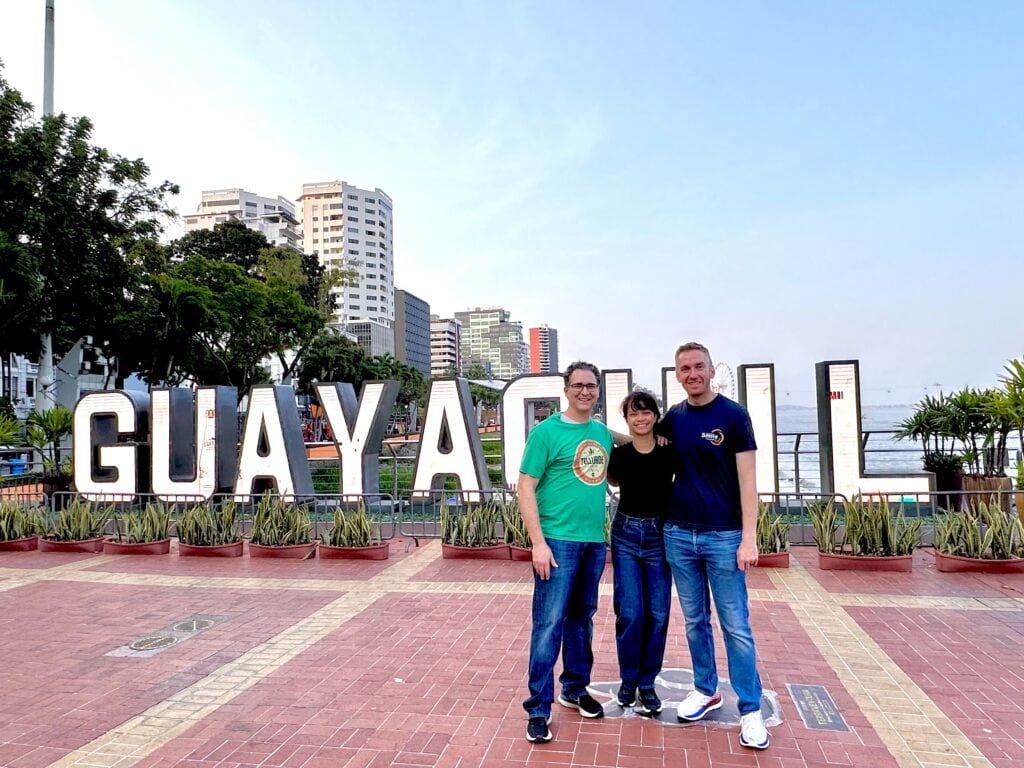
x,y
983,537
141,532
281,528
207,532
20,526
874,537
353,536
78,527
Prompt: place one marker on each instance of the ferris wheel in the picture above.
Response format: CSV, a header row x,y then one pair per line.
x,y
724,381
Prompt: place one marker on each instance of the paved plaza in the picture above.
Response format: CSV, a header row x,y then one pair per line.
x,y
418,661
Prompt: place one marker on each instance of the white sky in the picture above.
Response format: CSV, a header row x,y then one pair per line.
x,y
786,182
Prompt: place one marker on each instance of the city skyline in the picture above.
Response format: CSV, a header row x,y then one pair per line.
x,y
840,182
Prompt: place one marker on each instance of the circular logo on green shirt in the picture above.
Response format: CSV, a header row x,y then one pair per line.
x,y
590,462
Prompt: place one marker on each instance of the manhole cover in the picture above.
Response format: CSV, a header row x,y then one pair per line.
x,y
153,643
192,625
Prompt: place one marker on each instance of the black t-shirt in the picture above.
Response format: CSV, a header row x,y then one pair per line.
x,y
644,479
705,440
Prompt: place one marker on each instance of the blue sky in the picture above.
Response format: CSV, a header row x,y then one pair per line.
x,y
789,182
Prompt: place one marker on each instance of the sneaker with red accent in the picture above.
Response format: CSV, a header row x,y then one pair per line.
x,y
696,705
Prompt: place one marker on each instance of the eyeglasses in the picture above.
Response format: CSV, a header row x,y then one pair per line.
x,y
580,387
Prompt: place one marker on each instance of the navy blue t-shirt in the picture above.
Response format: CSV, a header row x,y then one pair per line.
x,y
706,439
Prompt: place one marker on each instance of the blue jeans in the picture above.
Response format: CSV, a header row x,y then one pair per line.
x,y
563,618
643,598
703,559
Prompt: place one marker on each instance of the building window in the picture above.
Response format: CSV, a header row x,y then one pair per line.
x,y
370,200
352,207
353,251
354,219
335,206
353,197
354,240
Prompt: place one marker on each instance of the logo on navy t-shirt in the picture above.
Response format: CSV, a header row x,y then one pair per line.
x,y
715,436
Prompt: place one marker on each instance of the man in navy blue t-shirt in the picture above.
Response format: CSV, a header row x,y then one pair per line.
x,y
711,539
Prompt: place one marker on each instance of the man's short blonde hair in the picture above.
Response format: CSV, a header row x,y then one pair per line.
x,y
694,346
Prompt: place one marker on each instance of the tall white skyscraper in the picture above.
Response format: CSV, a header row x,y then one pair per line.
x,y
273,216
349,227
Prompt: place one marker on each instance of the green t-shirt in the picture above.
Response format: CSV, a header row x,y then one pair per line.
x,y
571,462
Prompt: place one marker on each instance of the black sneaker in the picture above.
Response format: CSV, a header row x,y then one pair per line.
x,y
537,729
585,703
626,696
649,703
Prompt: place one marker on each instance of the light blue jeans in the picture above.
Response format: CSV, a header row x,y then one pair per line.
x,y
703,564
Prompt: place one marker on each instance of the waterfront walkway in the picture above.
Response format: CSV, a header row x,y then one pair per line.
x,y
420,661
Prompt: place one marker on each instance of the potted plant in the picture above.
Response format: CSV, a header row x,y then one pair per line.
x,y
772,538
874,537
203,532
980,420
281,528
20,526
1019,495
45,432
929,424
516,537
141,532
983,537
78,528
354,537
472,533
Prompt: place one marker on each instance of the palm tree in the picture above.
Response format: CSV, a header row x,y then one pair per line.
x,y
45,433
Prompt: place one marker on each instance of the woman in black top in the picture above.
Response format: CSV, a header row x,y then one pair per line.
x,y
643,583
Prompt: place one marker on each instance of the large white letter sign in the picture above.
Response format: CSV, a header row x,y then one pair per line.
x,y
195,442
617,386
449,444
839,430
272,447
672,391
107,468
757,393
516,400
358,428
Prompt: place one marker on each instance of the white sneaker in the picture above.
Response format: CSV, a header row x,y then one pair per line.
x,y
696,705
753,734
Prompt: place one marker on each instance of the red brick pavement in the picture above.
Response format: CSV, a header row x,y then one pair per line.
x,y
436,679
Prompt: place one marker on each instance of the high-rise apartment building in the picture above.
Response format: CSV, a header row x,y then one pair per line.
x,y
445,346
412,331
273,216
489,336
543,350
352,228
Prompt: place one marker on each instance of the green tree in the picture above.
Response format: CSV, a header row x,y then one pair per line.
x,y
333,358
70,212
486,396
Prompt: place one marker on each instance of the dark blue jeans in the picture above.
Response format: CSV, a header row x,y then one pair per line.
x,y
704,565
643,598
563,619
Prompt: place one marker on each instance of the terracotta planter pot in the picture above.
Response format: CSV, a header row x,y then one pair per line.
x,y
522,554
373,552
1019,500
493,552
293,551
92,546
19,545
957,564
896,563
112,547
234,549
773,560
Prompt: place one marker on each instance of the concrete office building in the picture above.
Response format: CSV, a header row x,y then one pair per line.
x,y
490,337
273,216
543,350
375,338
352,228
445,346
412,331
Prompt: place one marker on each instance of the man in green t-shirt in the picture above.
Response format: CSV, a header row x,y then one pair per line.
x,y
562,485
